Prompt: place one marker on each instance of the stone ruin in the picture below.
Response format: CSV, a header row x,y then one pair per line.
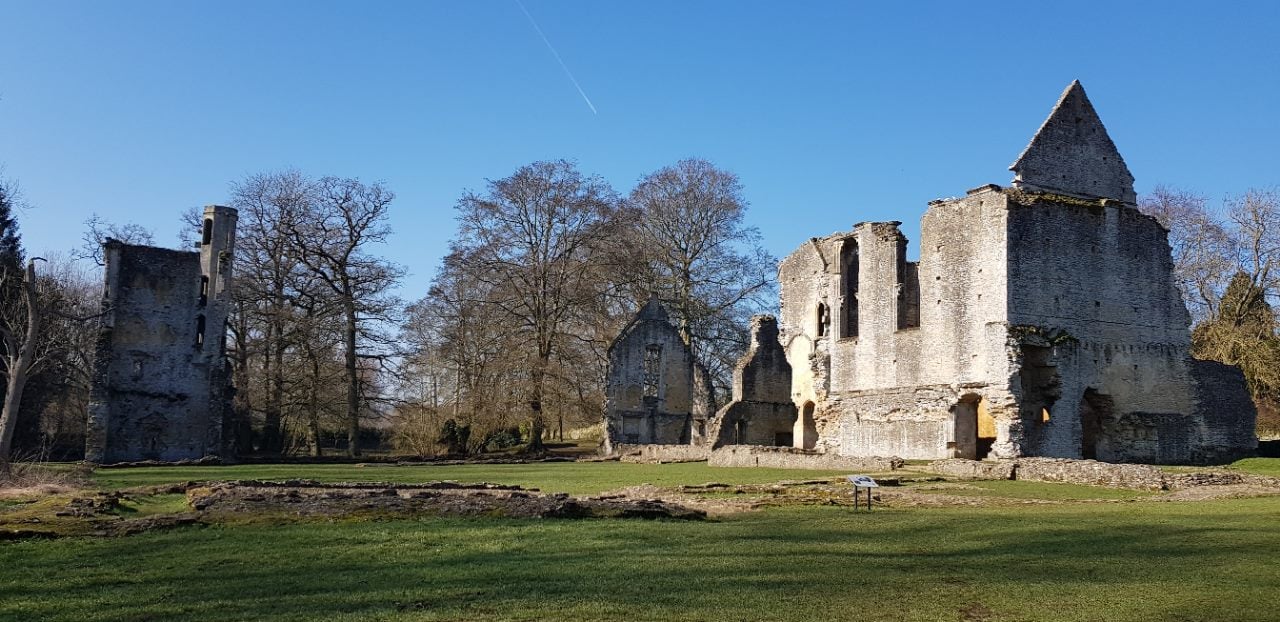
x,y
761,412
161,382
656,391
1042,319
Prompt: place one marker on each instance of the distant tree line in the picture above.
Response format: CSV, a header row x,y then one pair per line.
x,y
547,266
507,348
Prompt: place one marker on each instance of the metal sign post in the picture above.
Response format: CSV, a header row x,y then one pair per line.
x,y
860,483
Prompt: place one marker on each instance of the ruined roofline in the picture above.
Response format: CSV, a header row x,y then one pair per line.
x,y
1073,154
652,311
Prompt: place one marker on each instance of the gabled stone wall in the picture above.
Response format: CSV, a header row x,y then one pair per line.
x,y
1041,320
654,391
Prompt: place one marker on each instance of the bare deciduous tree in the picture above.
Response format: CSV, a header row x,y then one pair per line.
x,y
267,268
701,257
1227,263
99,230
332,244
532,238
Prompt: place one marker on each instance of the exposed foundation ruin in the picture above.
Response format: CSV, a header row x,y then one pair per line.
x,y
161,387
1041,320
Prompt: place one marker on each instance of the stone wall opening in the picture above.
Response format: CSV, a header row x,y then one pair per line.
x,y
975,428
199,331
986,430
1041,388
807,427
849,288
908,302
1094,409
652,370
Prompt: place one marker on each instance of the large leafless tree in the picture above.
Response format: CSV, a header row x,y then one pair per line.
x,y
698,253
333,244
532,239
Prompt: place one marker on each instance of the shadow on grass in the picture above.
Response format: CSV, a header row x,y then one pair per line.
x,y
1133,562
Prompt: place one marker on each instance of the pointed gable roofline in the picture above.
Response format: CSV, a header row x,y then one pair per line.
x,y
652,311
1072,153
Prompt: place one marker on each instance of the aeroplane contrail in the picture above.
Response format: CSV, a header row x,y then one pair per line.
x,y
558,59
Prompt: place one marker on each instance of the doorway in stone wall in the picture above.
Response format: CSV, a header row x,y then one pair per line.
x,y
986,430
807,428
1094,408
975,428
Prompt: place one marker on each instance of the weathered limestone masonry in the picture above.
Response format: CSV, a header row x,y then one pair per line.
x,y
1041,320
655,391
792,458
161,387
761,412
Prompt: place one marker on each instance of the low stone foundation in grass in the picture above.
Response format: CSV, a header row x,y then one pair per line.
x,y
753,456
1093,473
1061,470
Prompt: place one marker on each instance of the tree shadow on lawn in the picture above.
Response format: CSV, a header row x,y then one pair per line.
x,y
1111,563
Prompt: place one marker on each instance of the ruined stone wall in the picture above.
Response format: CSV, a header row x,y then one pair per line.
x,y
1072,153
160,388
761,412
650,390
1096,281
793,458
660,454
936,324
1225,416
1041,320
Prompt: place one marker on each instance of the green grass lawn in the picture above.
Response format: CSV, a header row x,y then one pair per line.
x,y
1259,466
1133,561
1139,560
579,478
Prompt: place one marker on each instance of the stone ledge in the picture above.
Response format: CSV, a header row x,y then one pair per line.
x,y
792,458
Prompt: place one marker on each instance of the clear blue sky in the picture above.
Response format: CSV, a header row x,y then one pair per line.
x,y
831,113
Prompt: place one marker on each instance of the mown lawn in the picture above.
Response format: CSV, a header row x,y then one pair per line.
x,y
577,478
1124,561
1130,559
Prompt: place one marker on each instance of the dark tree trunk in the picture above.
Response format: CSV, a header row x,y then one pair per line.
x,y
353,380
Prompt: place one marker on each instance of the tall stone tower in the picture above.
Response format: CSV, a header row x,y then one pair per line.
x,y
161,387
